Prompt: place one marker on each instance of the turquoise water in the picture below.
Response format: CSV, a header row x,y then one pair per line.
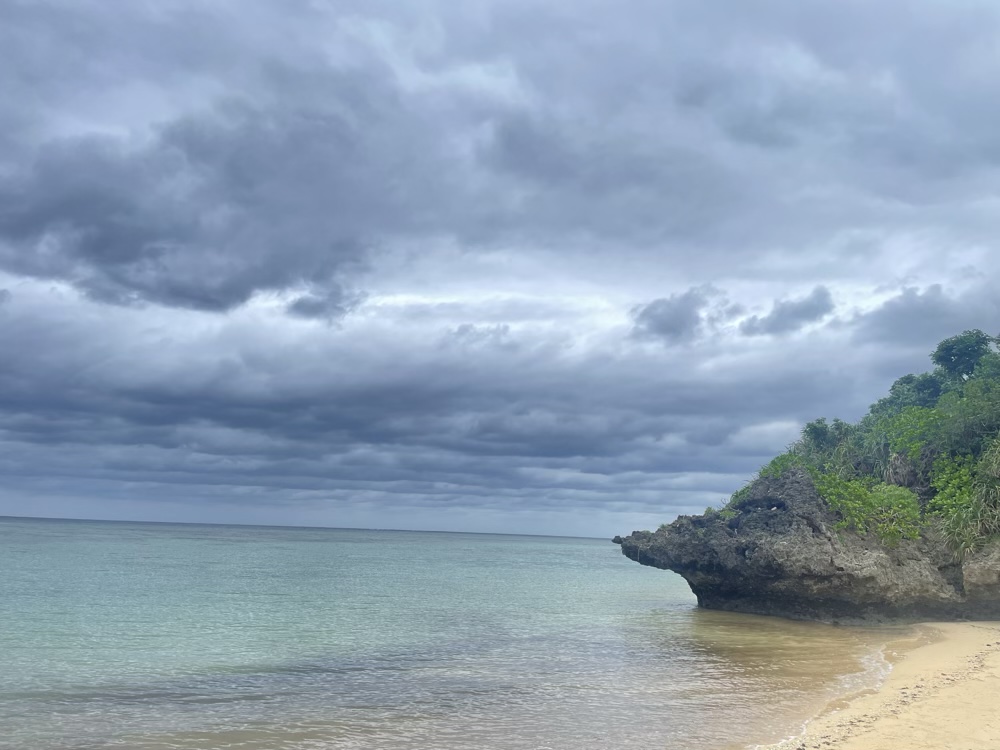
x,y
149,636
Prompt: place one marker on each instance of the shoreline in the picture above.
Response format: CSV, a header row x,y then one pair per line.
x,y
940,695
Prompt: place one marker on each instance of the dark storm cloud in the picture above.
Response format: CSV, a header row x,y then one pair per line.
x,y
788,316
212,212
280,184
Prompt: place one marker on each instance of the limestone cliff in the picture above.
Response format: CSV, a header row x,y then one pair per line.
x,y
782,555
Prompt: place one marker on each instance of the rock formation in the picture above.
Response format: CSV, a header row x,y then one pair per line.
x,y
777,552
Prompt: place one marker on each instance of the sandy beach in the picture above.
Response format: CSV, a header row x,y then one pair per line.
x,y
941,695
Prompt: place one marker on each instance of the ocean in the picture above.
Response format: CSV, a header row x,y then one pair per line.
x,y
199,637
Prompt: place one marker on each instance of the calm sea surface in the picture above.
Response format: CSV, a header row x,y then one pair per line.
x,y
142,636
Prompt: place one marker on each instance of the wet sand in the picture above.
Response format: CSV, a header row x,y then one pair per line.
x,y
941,695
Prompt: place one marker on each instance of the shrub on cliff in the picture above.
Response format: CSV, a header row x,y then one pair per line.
x,y
967,498
892,513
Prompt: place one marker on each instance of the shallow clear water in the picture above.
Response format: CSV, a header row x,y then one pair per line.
x,y
178,636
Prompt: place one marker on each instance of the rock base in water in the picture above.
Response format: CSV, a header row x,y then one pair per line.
x,y
782,555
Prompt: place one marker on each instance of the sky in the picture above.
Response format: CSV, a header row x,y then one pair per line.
x,y
567,267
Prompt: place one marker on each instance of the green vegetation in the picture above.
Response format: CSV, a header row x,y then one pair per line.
x,y
890,511
927,453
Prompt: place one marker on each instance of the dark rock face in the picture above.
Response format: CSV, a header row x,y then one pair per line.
x,y
781,555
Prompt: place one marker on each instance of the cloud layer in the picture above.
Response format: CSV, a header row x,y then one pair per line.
x,y
488,266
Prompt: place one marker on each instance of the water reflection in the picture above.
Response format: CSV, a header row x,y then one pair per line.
x,y
764,674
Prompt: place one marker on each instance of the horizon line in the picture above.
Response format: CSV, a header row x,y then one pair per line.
x,y
289,526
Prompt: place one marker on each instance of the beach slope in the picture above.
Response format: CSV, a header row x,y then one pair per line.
x,y
939,696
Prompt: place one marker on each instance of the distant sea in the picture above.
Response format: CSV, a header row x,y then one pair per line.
x,y
143,636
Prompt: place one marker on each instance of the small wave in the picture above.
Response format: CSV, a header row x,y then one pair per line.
x,y
875,668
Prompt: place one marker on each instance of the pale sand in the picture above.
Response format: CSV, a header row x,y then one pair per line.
x,y
943,695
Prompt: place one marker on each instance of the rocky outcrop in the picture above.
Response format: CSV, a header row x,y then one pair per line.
x,y
779,553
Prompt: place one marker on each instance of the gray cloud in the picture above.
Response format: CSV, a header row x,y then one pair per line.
x,y
913,316
788,316
676,318
329,304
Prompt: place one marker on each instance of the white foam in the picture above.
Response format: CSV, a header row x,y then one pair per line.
x,y
875,669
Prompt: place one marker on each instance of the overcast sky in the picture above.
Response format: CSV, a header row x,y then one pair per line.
x,y
567,267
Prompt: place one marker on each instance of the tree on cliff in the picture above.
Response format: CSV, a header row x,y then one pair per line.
x,y
959,355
